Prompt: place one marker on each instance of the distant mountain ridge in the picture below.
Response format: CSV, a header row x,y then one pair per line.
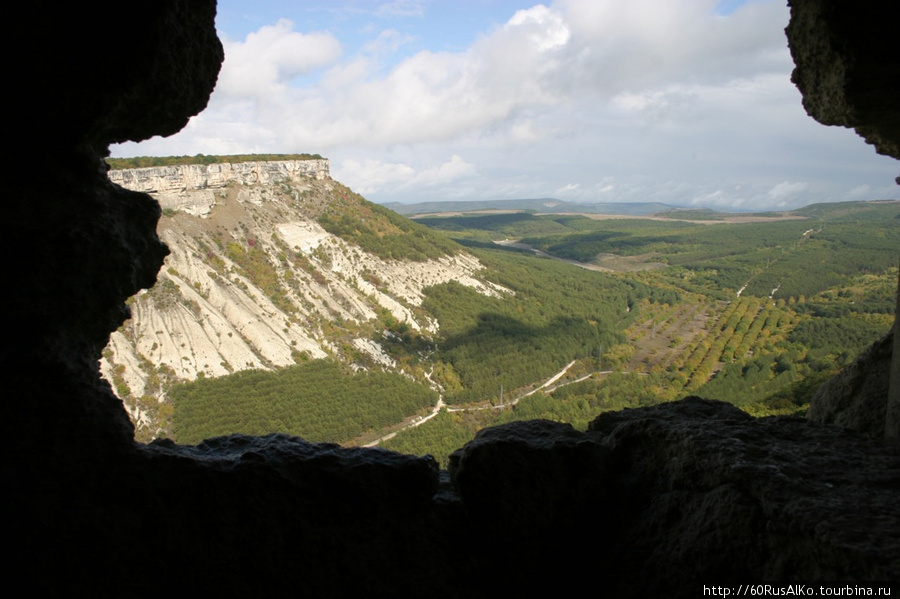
x,y
540,205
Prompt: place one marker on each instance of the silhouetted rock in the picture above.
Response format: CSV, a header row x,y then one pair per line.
x,y
857,396
680,493
652,501
847,68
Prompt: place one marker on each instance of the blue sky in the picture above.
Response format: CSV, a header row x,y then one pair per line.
x,y
687,102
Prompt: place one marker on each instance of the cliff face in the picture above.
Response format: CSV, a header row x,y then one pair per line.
x,y
185,177
253,281
845,55
847,66
663,499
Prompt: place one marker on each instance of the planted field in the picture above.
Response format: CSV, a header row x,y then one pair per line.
x,y
761,313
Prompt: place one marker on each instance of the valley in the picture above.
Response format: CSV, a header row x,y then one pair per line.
x,y
294,305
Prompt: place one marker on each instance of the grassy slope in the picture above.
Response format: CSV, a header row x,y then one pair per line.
x,y
767,355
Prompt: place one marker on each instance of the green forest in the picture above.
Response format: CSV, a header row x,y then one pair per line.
x,y
320,400
828,244
627,312
556,313
779,308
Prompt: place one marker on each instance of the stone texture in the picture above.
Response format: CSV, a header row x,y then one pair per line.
x,y
892,419
80,245
680,493
249,516
848,66
183,177
857,397
848,70
90,83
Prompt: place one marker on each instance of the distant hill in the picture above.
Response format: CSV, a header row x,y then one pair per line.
x,y
872,210
540,205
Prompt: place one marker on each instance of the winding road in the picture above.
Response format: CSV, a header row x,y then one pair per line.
x,y
440,405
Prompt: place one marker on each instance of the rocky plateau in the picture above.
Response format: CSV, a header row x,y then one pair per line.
x,y
254,281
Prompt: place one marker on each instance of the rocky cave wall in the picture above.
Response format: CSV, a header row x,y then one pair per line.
x,y
845,54
847,66
657,499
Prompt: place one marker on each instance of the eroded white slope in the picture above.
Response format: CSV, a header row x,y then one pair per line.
x,y
214,312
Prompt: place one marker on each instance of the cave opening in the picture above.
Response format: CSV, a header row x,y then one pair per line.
x,y
668,496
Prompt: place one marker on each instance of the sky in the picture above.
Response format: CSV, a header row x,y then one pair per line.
x,y
686,102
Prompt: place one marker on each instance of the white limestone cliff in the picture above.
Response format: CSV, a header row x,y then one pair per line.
x,y
207,316
186,177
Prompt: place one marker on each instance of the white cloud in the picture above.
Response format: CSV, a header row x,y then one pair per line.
x,y
540,27
375,176
388,41
645,100
784,190
642,44
542,57
371,176
449,172
860,192
401,8
567,190
269,58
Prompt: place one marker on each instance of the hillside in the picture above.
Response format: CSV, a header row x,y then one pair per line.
x,y
352,319
539,205
756,311
269,274
289,303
